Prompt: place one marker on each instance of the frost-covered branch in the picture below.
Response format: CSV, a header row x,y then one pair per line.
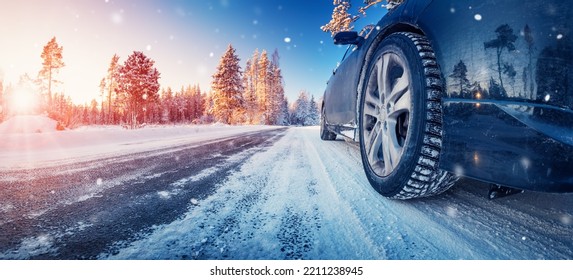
x,y
342,19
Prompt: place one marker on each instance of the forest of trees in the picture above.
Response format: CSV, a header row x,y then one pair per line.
x,y
131,95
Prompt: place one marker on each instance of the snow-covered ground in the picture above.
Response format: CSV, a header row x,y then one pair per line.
x,y
291,196
308,199
33,141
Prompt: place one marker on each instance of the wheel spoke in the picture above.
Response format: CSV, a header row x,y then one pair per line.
x,y
387,98
388,167
394,147
372,105
400,88
401,105
391,148
374,143
383,77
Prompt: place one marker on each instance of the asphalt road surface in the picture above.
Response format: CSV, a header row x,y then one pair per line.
x,y
273,194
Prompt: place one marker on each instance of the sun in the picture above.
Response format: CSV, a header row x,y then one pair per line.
x,y
24,102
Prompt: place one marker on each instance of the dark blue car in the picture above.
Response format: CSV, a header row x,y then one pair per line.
x,y
442,89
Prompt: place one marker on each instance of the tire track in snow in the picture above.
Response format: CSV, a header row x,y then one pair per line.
x,y
308,199
159,190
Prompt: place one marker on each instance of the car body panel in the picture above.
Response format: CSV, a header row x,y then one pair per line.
x,y
519,134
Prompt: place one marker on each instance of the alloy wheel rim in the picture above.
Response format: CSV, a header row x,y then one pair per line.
x,y
386,113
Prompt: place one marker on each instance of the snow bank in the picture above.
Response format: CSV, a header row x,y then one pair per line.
x,y
28,124
51,147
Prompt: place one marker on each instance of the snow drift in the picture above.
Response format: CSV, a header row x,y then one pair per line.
x,y
28,124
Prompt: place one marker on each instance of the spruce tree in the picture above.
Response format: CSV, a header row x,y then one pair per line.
x,y
228,89
111,83
250,86
461,79
263,86
300,110
275,91
139,80
313,117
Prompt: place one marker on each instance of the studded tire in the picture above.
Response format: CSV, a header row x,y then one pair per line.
x,y
400,119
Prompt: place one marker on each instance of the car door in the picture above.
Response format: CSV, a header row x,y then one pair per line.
x,y
340,98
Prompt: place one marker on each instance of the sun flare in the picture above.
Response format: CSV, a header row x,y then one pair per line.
x,y
24,102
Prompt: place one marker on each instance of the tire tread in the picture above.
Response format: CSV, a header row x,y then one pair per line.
x,y
427,179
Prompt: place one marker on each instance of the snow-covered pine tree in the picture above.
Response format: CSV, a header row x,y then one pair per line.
x,y
300,109
199,97
228,89
139,80
167,104
313,117
262,89
250,89
208,116
52,61
284,117
275,91
180,105
110,84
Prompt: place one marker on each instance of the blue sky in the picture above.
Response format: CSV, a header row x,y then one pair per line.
x,y
185,38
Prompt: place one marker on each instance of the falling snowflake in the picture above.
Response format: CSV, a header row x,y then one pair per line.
x,y
451,211
287,40
458,170
566,219
116,18
99,181
148,48
477,17
164,194
559,36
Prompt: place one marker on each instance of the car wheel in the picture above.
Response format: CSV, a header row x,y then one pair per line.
x,y
400,119
325,134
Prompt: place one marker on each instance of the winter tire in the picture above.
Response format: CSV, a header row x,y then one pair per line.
x,y
400,119
325,134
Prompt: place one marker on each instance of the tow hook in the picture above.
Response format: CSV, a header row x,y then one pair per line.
x,y
498,191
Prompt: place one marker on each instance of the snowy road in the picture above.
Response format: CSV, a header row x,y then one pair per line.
x,y
275,194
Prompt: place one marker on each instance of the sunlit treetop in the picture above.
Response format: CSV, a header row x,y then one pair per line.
x,y
342,20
